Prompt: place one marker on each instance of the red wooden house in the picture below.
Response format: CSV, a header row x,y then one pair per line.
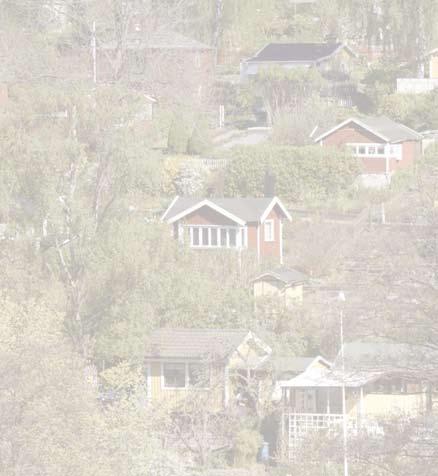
x,y
230,223
382,145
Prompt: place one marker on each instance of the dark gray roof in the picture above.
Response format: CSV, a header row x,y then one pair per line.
x,y
394,131
247,209
296,52
161,39
194,343
285,275
291,365
384,126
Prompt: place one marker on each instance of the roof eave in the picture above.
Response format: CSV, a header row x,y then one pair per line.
x,y
275,201
344,123
213,206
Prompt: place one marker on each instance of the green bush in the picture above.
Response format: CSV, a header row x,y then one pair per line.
x,y
303,174
246,446
200,140
178,138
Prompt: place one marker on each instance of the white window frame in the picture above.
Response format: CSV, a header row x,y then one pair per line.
x,y
269,237
241,236
163,380
389,150
208,379
187,385
198,60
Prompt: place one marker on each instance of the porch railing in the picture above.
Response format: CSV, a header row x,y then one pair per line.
x,y
297,426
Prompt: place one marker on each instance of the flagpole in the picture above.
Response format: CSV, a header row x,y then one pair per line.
x,y
344,406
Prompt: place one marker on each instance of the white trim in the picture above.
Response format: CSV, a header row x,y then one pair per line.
x,y
261,345
213,206
390,150
281,242
180,231
240,241
186,364
313,131
275,201
149,381
226,386
347,121
258,243
150,98
163,216
271,237
273,275
258,341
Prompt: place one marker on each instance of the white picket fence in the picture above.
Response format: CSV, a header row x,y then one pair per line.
x,y
204,163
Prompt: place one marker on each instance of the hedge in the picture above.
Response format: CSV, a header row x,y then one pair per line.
x,y
302,174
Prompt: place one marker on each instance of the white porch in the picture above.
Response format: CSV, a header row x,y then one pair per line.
x,y
296,427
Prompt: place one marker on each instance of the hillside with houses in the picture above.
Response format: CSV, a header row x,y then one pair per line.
x,y
218,237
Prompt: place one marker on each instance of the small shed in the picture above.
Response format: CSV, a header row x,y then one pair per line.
x,y
283,283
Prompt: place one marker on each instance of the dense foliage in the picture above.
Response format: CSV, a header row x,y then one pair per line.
x,y
303,174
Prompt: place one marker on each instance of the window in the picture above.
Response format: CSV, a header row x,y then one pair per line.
x,y
218,237
223,237
205,237
368,150
195,236
233,240
174,375
269,230
214,233
183,375
198,375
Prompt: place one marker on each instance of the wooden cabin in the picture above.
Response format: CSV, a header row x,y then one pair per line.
x,y
254,224
282,284
382,381
221,363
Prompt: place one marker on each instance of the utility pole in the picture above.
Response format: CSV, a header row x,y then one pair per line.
x,y
93,52
341,299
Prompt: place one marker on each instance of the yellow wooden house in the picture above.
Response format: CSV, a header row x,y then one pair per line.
x,y
382,381
284,285
219,363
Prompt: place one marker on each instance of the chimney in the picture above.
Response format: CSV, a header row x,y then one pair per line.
x,y
269,185
331,38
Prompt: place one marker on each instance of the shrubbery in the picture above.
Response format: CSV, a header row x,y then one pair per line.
x,y
190,136
200,140
179,135
302,174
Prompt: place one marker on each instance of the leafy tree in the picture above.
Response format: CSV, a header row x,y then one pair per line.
x,y
51,419
200,140
285,90
179,135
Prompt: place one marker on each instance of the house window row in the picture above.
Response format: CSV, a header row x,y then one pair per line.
x,y
376,150
395,387
218,237
368,150
185,375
